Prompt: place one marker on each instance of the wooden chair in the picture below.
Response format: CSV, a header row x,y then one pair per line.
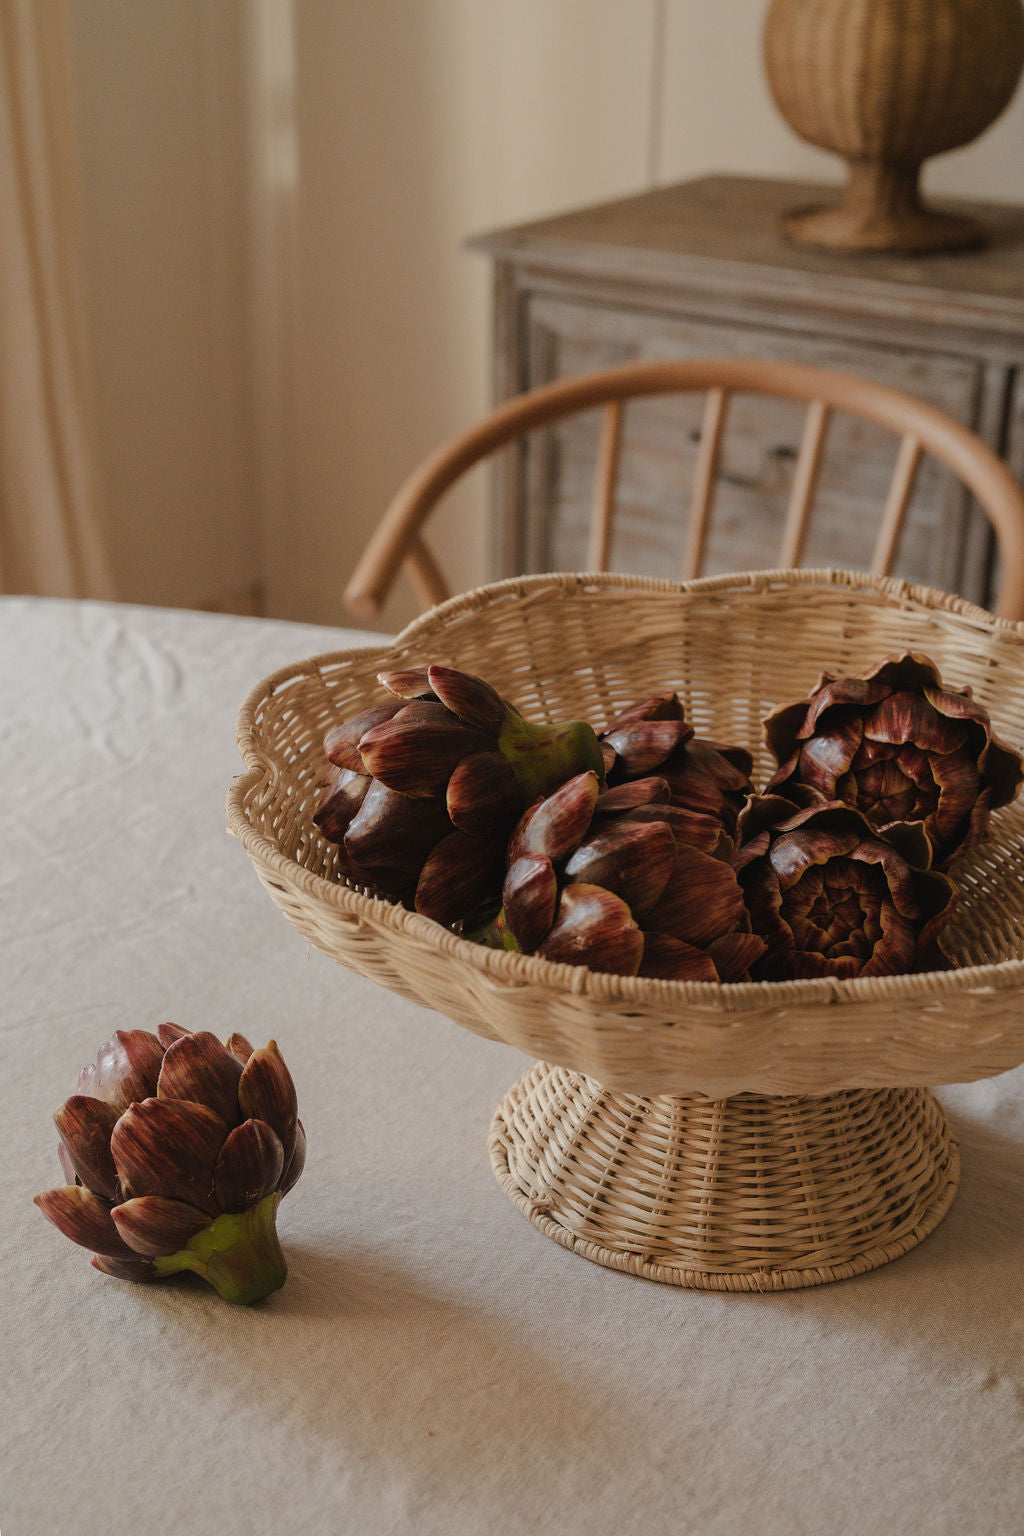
x,y
920,427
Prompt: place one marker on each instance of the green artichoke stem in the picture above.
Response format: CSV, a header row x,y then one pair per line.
x,y
238,1254
543,757
496,935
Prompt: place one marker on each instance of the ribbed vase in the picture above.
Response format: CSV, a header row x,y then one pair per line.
x,y
886,84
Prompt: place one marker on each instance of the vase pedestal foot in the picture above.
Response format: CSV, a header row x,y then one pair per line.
x,y
751,1193
881,210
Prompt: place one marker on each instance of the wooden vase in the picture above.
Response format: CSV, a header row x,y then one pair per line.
x,y
886,84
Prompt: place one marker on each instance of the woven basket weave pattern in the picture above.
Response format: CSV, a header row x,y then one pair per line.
x,y
733,647
750,1193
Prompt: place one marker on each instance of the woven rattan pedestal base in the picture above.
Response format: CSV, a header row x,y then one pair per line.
x,y
751,1193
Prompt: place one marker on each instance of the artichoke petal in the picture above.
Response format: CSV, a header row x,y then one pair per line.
x,y
634,859
297,1162
694,790
392,833
169,1147
266,1092
1004,768
239,1047
85,1125
341,744
339,801
596,929
474,701
644,746
412,683
735,953
168,1033
828,755
900,878
125,1070
632,794
249,1167
460,875
553,826
791,855
692,827
784,729
202,1070
529,899
660,706
729,766
701,901
671,959
896,950
904,717
135,1268
153,1225
415,751
483,794
959,784
84,1218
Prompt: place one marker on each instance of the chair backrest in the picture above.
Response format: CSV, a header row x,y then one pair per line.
x,y
921,428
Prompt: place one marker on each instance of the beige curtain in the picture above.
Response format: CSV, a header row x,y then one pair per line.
x,y
50,541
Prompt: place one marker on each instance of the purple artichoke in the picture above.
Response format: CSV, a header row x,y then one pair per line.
x,y
427,787
707,781
899,747
178,1151
610,881
830,897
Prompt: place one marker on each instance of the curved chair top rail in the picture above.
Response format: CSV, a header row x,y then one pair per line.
x,y
921,427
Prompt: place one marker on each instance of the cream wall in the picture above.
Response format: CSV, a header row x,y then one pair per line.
x,y
158,103
283,314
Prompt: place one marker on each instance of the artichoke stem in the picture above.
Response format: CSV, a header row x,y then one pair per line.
x,y
495,935
545,756
238,1254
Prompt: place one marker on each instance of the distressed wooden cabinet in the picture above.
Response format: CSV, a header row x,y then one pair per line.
x,y
700,269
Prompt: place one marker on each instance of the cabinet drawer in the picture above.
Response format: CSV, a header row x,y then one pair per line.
x,y
553,485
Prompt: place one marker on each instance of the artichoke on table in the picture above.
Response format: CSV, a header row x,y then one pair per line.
x,y
177,1151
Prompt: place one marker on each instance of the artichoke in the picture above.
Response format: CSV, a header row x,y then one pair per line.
x,y
427,787
177,1151
707,781
608,880
899,746
830,897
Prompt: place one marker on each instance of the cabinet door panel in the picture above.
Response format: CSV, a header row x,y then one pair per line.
x,y
758,457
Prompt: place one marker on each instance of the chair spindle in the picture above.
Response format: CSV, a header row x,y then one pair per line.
x,y
900,489
425,572
606,475
704,475
805,480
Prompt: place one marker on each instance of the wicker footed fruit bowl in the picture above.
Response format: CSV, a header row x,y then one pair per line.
x,y
750,1135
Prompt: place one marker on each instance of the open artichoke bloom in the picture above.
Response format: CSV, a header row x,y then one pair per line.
x,y
178,1151
427,787
830,897
900,747
609,881
707,781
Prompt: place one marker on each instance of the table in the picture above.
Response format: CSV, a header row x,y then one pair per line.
x,y
434,1364
700,268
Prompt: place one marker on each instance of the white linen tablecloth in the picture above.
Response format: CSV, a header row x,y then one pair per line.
x,y
434,1364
